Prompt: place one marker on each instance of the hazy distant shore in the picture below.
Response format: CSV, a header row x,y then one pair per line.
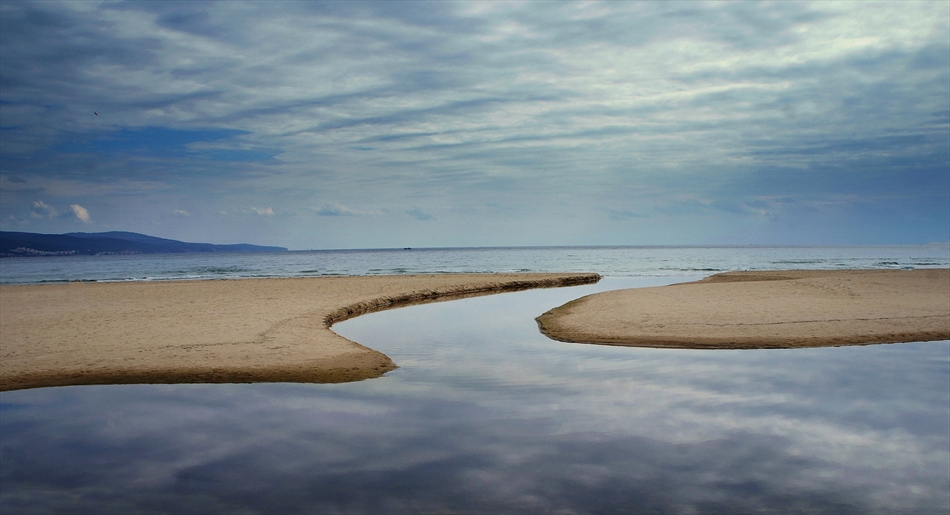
x,y
27,244
251,330
776,309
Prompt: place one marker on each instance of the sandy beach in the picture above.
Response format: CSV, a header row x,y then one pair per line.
x,y
757,310
278,330
247,330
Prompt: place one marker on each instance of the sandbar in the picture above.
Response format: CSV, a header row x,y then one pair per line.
x,y
761,310
215,331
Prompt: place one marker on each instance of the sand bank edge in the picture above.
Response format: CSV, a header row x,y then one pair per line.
x,y
361,364
549,322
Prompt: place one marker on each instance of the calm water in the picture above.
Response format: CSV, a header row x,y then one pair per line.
x,y
488,416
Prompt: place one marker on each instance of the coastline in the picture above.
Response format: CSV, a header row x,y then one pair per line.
x,y
278,330
216,331
764,310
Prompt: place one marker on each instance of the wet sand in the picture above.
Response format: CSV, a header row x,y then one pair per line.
x,y
758,310
225,331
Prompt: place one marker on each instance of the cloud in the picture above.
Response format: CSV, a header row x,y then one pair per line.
x,y
334,209
263,211
624,214
43,210
419,214
80,213
610,104
181,213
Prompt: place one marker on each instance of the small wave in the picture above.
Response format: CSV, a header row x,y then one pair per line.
x,y
694,269
211,270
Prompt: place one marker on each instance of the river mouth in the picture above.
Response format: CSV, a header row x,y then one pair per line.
x,y
487,415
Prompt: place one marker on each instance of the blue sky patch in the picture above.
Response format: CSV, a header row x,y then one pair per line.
x,y
163,142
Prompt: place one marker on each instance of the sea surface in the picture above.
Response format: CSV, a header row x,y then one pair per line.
x,y
486,415
607,261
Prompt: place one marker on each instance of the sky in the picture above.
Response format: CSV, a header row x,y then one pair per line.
x,y
318,125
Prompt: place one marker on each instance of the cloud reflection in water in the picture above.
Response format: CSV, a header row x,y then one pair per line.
x,y
500,419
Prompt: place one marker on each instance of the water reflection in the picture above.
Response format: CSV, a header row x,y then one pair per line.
x,y
496,418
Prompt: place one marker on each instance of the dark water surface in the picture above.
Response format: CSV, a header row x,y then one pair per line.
x,y
486,415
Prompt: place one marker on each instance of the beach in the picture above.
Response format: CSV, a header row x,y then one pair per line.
x,y
759,310
483,401
278,330
216,331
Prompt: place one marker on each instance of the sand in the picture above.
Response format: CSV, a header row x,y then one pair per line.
x,y
224,331
278,330
758,310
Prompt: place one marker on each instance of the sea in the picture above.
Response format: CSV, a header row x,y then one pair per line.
x,y
623,261
486,415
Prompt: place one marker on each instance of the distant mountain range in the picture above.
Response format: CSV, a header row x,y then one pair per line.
x,y
114,242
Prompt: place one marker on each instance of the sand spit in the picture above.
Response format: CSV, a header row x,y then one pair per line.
x,y
759,310
224,331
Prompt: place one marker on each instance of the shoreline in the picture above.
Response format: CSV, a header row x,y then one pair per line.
x,y
279,329
220,331
764,310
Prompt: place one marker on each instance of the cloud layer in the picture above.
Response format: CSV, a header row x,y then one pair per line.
x,y
566,123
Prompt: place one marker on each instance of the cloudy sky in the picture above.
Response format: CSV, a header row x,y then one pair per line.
x,y
392,124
